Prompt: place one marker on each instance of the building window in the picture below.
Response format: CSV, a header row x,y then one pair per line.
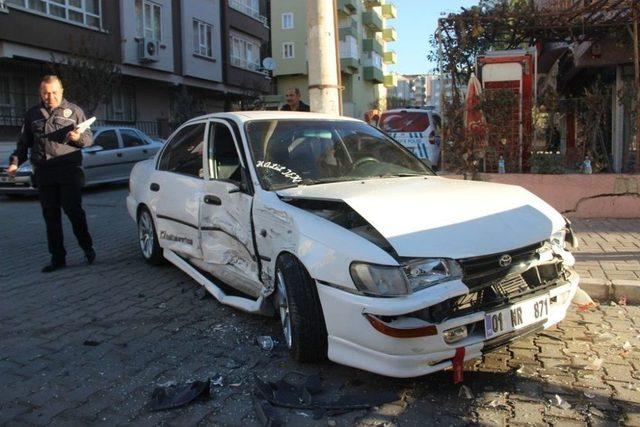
x,y
202,36
288,50
82,12
287,21
13,99
248,7
149,20
245,51
122,105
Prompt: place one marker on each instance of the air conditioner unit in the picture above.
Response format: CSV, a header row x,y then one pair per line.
x,y
148,50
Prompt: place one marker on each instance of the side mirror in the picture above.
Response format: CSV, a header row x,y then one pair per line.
x,y
93,149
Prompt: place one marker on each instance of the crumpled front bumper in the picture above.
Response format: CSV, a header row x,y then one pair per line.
x,y
353,341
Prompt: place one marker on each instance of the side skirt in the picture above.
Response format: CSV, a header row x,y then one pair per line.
x,y
259,306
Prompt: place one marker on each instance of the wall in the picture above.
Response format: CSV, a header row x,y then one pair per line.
x,y
130,44
19,26
207,11
581,196
298,35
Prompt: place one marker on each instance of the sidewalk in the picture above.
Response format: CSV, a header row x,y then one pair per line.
x,y
608,259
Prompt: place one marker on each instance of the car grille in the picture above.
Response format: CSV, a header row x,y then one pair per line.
x,y
492,286
479,271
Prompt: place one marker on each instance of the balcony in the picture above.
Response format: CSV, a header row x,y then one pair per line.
x,y
349,65
390,34
372,45
390,57
372,20
373,74
372,3
348,7
390,80
389,11
249,11
348,28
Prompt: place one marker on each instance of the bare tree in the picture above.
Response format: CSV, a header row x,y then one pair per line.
x,y
89,76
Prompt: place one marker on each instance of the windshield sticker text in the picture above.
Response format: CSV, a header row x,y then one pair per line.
x,y
283,170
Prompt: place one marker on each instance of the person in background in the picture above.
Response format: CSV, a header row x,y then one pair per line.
x,y
294,101
51,137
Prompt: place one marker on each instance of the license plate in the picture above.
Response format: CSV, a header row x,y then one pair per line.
x,y
516,317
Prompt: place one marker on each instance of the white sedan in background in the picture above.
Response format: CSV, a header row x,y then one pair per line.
x,y
367,257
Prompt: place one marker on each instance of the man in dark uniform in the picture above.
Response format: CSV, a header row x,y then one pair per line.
x,y
294,101
51,136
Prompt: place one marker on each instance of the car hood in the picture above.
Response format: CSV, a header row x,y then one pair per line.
x,y
439,217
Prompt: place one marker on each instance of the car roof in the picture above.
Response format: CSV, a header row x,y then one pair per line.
x,y
245,116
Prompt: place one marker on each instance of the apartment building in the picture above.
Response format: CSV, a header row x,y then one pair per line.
x,y
363,49
210,50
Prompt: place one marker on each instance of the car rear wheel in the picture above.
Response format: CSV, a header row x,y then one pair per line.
x,y
148,239
298,306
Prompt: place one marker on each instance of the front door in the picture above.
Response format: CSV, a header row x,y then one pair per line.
x,y
178,181
225,214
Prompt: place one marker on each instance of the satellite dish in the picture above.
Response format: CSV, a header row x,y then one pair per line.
x,y
269,63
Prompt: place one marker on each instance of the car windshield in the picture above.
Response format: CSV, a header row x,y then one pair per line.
x,y
404,121
288,153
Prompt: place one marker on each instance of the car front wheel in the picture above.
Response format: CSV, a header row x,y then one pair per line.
x,y
298,306
148,239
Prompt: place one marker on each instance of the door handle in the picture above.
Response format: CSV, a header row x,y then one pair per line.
x,y
145,151
212,200
119,154
154,187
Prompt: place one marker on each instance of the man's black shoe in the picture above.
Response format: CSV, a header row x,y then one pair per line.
x,y
53,267
91,256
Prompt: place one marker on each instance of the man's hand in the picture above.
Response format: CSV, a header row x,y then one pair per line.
x,y
74,135
11,170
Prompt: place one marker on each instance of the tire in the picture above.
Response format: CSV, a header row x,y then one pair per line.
x,y
297,299
148,239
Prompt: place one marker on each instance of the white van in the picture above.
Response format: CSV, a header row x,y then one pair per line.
x,y
416,129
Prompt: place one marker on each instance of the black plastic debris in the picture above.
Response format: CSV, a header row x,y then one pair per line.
x,y
267,414
174,396
202,293
286,395
91,343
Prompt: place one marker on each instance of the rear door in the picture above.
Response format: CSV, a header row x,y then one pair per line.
x,y
135,148
99,165
177,184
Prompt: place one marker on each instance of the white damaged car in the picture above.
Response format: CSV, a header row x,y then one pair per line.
x,y
365,255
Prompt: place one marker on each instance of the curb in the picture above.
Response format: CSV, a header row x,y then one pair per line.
x,y
604,289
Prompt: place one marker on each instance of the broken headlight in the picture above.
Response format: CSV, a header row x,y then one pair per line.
x,y
379,280
558,239
427,272
390,281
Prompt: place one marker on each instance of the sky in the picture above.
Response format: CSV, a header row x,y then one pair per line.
x,y
417,20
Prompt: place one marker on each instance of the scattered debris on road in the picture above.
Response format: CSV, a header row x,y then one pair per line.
x,y
266,343
171,395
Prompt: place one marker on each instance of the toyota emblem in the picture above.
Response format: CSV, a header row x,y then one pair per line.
x,y
505,260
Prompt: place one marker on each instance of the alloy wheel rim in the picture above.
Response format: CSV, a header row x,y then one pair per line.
x,y
282,305
145,232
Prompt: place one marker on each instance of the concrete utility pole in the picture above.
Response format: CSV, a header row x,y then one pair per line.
x,y
324,88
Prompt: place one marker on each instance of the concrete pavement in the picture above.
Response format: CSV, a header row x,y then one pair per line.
x,y
87,345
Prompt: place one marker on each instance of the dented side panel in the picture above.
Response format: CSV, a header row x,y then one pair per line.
x,y
325,249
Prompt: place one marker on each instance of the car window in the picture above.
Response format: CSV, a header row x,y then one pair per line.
x,y
308,152
183,153
107,139
224,161
131,138
404,121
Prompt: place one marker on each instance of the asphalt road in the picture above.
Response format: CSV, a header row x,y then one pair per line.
x,y
88,345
